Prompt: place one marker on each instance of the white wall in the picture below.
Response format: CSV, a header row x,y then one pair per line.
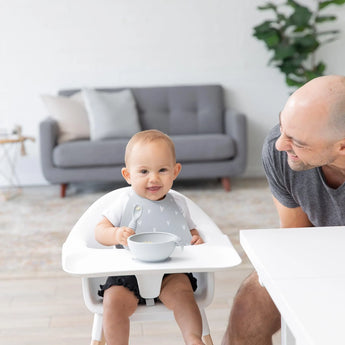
x,y
48,45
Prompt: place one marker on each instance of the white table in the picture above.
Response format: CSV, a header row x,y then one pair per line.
x,y
303,271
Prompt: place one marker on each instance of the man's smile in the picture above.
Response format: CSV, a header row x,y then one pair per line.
x,y
292,156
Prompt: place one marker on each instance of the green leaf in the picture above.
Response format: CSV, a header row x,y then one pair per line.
x,y
292,64
302,28
292,3
307,42
284,51
287,68
300,17
324,4
327,32
294,82
264,27
311,74
272,40
281,17
322,19
320,68
268,6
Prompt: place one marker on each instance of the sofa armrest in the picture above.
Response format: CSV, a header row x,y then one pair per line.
x,y
236,127
48,132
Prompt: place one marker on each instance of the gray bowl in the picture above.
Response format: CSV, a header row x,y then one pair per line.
x,y
152,246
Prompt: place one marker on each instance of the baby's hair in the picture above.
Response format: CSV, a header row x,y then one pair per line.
x,y
148,136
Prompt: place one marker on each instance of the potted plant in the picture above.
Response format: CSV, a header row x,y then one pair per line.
x,y
294,35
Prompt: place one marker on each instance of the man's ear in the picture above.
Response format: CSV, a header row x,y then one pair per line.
x,y
126,175
342,147
177,169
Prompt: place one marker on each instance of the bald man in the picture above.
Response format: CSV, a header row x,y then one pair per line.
x,y
304,161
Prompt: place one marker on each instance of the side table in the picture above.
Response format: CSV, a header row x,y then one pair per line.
x,y
10,148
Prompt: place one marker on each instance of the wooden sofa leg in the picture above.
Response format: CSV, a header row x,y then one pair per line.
x,y
226,183
63,188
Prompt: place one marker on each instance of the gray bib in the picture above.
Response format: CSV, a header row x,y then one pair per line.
x,y
162,215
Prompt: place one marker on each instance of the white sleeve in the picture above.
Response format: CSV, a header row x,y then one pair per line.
x,y
114,212
182,204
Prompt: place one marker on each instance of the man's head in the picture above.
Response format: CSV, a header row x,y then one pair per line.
x,y
151,164
312,124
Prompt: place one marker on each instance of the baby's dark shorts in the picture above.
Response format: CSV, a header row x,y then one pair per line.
x,y
131,283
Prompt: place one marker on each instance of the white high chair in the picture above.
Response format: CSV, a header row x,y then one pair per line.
x,y
82,255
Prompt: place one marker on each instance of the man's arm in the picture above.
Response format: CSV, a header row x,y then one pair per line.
x,y
291,217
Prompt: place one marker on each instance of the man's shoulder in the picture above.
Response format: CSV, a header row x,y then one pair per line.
x,y
272,136
270,155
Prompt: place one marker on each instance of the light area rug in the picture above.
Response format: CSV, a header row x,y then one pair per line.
x,y
34,225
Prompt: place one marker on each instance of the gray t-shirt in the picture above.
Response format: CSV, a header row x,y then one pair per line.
x,y
324,206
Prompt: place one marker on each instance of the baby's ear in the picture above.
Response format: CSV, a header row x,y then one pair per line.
x,y
177,169
126,175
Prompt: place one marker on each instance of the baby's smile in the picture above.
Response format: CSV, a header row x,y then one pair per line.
x,y
153,188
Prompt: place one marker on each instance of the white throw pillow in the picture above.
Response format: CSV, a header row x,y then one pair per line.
x,y
70,114
111,114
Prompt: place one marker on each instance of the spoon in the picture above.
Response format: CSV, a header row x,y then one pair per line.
x,y
137,212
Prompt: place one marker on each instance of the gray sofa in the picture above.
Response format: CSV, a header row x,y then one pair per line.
x,y
210,141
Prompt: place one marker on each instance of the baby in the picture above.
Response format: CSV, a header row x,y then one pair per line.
x,y
151,169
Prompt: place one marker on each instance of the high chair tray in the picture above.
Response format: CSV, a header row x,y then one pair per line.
x,y
92,262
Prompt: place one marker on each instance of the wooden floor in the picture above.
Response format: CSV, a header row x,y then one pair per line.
x,y
51,311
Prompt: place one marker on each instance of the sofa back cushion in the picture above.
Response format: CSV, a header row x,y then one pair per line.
x,y
177,110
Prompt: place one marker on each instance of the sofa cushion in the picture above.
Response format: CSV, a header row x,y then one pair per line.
x,y
111,114
203,147
87,153
189,148
181,110
70,114
177,110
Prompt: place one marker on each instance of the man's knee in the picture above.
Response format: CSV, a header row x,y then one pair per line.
x,y
253,308
245,299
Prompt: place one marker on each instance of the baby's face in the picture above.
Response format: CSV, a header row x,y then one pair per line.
x,y
151,169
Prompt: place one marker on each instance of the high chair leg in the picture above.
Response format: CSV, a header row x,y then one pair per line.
x,y
101,342
207,339
205,328
97,330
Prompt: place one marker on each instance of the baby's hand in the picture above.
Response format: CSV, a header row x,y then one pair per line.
x,y
196,239
122,233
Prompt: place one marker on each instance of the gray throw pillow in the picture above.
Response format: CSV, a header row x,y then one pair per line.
x,y
111,114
